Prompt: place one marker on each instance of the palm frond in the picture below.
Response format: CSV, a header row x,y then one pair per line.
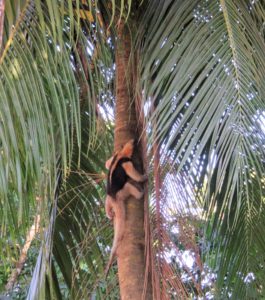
x,y
175,219
84,241
203,69
56,68
29,139
40,120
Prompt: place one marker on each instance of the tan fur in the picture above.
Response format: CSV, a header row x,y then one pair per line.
x,y
115,208
118,207
133,173
126,151
108,162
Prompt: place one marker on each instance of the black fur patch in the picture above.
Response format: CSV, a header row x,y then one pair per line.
x,y
118,178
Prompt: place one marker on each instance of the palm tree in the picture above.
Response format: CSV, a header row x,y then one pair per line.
x,y
185,78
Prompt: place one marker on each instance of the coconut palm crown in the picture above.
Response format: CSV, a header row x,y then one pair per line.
x,y
193,74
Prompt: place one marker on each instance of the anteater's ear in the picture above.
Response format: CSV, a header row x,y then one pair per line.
x,y
128,148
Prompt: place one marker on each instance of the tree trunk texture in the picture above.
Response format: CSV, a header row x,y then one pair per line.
x,y
131,252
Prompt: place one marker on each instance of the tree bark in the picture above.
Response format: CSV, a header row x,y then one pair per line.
x,y
131,252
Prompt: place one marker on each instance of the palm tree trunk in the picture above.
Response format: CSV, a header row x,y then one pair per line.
x,y
131,259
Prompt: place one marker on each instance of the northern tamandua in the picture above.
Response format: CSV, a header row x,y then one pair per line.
x,y
121,176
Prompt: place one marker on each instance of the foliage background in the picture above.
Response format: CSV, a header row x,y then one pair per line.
x,y
201,74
